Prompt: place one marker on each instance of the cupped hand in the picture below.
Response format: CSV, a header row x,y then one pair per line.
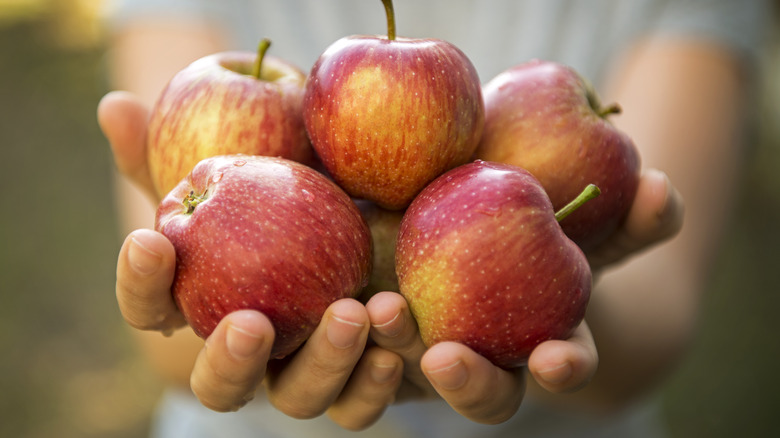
x,y
468,382
485,393
332,372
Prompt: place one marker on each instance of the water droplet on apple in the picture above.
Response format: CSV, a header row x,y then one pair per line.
x,y
217,177
307,195
239,163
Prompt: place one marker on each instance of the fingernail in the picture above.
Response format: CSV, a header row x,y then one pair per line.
x,y
391,328
662,181
450,377
142,260
343,334
672,203
242,344
382,373
556,375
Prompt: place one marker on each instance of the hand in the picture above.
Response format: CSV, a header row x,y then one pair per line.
x,y
655,216
471,384
487,394
331,371
358,388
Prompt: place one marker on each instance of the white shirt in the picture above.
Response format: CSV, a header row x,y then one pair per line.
x,y
494,34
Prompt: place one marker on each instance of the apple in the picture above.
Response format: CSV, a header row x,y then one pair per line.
x,y
482,260
263,233
387,115
546,118
384,225
227,103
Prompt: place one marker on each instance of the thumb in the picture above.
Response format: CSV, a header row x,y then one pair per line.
x,y
123,118
655,216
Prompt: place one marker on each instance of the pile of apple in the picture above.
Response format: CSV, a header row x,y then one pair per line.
x,y
283,191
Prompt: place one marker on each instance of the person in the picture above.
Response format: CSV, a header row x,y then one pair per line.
x,y
681,71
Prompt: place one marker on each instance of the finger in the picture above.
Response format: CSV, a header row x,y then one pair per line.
x,y
655,215
233,361
123,119
370,390
472,385
565,366
144,275
312,380
394,329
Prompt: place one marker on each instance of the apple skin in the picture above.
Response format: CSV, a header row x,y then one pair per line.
x,y
384,225
215,107
482,261
269,234
544,117
386,117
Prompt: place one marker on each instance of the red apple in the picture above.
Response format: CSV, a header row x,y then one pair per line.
x,y
544,117
387,115
220,105
263,233
482,260
384,226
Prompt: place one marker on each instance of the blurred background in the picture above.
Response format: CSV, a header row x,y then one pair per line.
x,y
67,365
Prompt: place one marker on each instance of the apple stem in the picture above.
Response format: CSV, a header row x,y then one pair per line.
x,y
590,192
609,110
390,19
265,43
191,201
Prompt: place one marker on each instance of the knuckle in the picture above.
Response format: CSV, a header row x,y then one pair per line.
x,y
295,407
349,421
221,395
142,314
328,369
